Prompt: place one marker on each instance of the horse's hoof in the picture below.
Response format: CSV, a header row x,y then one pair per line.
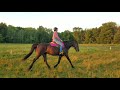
x,y
22,60
55,66
28,70
49,67
73,67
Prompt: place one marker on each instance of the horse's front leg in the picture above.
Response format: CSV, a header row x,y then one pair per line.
x,y
45,60
58,61
69,60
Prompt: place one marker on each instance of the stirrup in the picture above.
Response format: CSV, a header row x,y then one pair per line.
x,y
61,53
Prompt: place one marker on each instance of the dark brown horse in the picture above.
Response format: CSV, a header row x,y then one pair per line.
x,y
45,48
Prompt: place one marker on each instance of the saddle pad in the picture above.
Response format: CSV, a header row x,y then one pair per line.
x,y
54,44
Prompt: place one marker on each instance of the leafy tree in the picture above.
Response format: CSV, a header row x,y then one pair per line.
x,y
3,30
117,36
76,33
107,32
89,36
66,35
1,38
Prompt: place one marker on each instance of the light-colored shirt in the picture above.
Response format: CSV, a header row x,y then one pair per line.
x,y
55,35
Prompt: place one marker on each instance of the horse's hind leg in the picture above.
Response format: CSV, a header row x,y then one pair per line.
x,y
45,60
33,62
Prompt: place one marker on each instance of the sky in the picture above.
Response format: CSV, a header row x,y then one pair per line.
x,y
62,20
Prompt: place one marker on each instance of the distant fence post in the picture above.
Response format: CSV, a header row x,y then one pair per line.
x,y
110,47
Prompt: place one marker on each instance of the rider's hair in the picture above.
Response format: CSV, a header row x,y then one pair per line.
x,y
55,28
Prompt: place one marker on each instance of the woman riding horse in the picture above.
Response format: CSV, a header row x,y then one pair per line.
x,y
43,49
56,39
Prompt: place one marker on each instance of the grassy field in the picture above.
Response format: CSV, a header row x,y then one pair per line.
x,y
92,61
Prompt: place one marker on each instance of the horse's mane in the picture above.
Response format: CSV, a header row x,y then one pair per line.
x,y
67,41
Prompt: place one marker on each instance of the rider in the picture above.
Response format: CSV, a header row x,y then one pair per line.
x,y
56,39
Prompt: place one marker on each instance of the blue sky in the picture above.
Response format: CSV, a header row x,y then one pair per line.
x,y
62,20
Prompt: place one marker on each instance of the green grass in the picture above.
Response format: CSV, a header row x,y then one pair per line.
x,y
92,61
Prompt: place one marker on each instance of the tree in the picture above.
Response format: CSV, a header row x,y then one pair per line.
x,y
95,35
66,35
76,33
1,38
89,36
11,34
82,36
107,32
117,36
3,31
44,34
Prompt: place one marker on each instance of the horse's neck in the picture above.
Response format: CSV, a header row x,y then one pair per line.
x,y
68,45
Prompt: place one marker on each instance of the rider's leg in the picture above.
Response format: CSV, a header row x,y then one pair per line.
x,y
61,45
61,50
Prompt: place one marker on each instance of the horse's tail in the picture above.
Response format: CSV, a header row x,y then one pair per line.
x,y
34,46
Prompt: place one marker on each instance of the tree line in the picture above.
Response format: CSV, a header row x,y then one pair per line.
x,y
107,33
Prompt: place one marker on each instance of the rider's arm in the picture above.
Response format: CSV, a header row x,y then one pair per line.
x,y
56,36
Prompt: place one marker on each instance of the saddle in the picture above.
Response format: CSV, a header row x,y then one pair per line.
x,y
54,44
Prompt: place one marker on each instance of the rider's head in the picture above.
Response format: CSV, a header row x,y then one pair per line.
x,y
55,28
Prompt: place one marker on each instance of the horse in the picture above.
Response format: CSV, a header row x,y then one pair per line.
x,y
43,49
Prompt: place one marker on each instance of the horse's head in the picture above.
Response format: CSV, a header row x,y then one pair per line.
x,y
71,43
75,45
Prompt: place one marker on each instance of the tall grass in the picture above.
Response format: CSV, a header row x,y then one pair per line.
x,y
92,61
